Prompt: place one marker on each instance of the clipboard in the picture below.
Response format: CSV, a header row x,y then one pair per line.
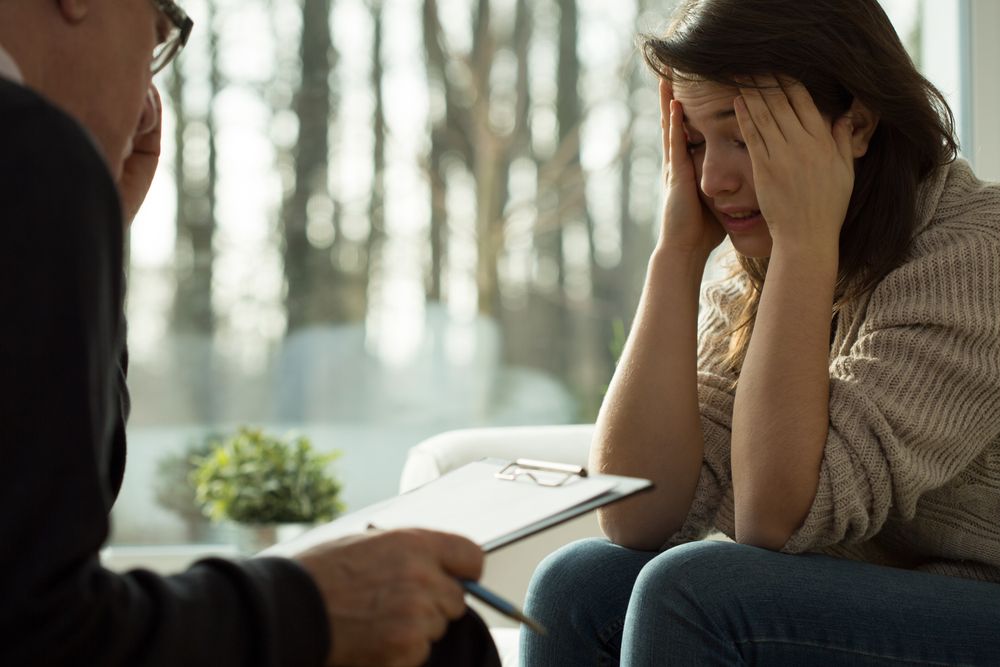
x,y
495,502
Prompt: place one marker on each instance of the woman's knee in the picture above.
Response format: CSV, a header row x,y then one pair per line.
x,y
585,578
566,571
692,575
682,604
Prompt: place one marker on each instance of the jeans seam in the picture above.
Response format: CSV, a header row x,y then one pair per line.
x,y
845,650
610,630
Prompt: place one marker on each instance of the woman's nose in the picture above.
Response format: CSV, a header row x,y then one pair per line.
x,y
719,176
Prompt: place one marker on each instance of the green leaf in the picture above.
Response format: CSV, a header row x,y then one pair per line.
x,y
253,477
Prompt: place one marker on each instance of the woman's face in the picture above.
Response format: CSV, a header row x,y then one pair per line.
x,y
722,163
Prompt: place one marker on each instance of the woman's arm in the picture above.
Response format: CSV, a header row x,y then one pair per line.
x,y
649,424
804,174
781,411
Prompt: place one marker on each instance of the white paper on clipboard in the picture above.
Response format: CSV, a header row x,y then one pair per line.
x,y
492,512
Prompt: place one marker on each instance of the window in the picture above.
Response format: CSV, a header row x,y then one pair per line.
x,y
370,226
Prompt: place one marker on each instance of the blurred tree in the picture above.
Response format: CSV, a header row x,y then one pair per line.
x,y
441,106
545,332
617,287
559,327
466,129
316,291
195,170
450,135
376,205
505,130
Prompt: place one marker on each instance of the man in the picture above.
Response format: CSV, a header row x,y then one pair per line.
x,y
79,141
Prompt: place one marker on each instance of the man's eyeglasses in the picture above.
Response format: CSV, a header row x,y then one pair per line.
x,y
175,40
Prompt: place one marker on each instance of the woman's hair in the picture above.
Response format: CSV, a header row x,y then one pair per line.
x,y
840,50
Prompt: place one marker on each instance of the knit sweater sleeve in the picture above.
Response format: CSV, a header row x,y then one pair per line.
x,y
915,398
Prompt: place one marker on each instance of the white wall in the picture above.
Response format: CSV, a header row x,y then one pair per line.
x,y
984,87
960,54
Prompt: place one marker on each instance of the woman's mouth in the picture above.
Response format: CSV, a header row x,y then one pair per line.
x,y
740,221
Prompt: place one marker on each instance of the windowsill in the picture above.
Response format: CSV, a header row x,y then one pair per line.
x,y
162,559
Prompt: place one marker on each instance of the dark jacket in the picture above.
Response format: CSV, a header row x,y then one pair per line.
x,y
62,439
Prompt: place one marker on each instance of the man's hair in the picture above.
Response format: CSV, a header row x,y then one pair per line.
x,y
840,50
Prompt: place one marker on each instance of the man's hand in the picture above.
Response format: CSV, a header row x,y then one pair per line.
x,y
140,163
390,595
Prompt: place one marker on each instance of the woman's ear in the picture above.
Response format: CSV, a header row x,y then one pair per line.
x,y
74,11
864,122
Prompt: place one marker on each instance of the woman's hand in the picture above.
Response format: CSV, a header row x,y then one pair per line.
x,y
688,225
803,168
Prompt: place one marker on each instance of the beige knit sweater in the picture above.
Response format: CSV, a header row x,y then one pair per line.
x,y
911,468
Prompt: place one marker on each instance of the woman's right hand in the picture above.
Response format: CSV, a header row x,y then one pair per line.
x,y
688,224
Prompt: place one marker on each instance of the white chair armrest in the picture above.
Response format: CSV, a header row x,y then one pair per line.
x,y
437,455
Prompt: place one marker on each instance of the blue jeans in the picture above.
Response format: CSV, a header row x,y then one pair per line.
x,y
719,603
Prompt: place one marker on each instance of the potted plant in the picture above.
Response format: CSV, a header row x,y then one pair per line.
x,y
174,487
262,483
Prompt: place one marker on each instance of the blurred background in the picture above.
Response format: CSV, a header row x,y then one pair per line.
x,y
376,221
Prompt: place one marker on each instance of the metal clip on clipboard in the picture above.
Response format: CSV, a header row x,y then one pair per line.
x,y
528,467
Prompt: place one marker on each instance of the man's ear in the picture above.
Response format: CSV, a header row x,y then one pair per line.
x,y
74,11
864,122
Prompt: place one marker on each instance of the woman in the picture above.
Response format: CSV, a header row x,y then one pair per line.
x,y
835,410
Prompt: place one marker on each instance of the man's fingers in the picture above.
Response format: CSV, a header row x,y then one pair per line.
x,y
458,556
449,597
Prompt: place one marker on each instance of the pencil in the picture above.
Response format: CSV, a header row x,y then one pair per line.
x,y
506,608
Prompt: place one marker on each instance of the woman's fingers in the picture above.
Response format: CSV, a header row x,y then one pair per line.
x,y
805,108
783,110
666,96
763,120
778,104
751,135
678,138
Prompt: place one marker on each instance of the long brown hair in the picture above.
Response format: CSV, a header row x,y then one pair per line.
x,y
840,50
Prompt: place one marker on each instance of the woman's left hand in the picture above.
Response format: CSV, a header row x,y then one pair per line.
x,y
803,167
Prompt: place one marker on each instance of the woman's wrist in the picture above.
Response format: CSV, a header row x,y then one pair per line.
x,y
687,260
821,257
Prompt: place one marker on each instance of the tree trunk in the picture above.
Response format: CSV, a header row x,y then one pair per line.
x,y
194,255
192,321
437,83
376,205
312,292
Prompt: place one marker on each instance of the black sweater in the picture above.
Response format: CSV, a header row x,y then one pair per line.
x,y
62,448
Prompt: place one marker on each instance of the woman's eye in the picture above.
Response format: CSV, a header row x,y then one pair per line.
x,y
739,143
692,146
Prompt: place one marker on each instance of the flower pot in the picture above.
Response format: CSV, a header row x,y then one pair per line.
x,y
253,538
